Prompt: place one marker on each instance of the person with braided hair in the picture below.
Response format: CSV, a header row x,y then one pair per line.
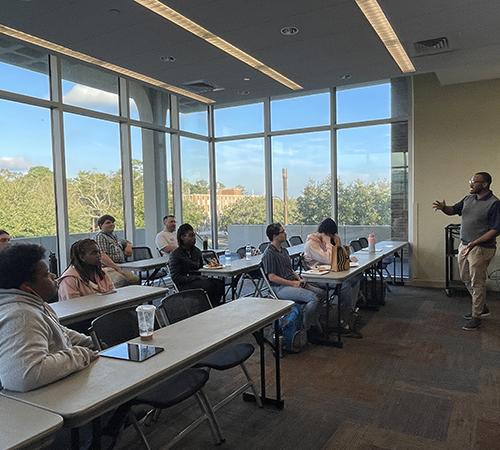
x,y
85,275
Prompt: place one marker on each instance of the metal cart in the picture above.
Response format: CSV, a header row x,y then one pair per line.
x,y
452,239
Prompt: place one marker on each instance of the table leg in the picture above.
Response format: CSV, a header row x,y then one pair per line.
x,y
401,258
75,439
96,434
325,340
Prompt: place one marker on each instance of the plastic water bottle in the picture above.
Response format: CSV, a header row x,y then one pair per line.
x,y
371,243
227,257
248,252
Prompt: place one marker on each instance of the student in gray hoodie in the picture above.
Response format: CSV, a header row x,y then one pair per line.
x,y
35,349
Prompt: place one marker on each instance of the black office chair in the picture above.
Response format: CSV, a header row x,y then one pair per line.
x,y
263,246
140,253
356,245
363,241
185,304
120,326
295,240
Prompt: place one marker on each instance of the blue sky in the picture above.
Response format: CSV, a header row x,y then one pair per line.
x,y
93,144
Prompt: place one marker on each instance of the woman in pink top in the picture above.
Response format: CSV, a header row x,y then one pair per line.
x,y
84,276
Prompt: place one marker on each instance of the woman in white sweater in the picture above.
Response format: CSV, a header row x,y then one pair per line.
x,y
35,349
318,250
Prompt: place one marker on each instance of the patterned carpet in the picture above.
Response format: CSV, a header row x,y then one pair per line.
x,y
416,381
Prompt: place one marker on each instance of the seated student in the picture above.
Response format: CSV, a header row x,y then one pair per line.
x,y
318,250
166,240
84,276
186,261
4,239
114,252
286,283
35,349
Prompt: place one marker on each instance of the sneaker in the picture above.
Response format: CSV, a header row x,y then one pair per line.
x,y
472,324
485,313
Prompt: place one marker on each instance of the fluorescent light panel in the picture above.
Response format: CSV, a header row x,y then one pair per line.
x,y
373,12
173,16
99,62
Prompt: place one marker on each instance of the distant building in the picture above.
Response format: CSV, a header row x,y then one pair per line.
x,y
225,197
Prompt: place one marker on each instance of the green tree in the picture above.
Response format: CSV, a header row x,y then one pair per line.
x,y
315,202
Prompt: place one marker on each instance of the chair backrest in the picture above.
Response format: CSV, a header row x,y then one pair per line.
x,y
355,245
272,294
242,251
263,246
114,327
184,304
363,241
296,240
208,255
139,253
285,244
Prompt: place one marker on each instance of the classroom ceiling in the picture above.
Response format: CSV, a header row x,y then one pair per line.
x,y
335,44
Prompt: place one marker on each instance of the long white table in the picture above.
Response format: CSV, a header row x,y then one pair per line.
x,y
91,306
366,261
25,426
107,383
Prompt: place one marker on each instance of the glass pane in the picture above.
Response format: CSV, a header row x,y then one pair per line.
x,y
193,117
301,178
148,148
195,186
93,168
399,185
364,103
148,104
241,205
243,119
88,87
364,181
23,70
27,203
300,112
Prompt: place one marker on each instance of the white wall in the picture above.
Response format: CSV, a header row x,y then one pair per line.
x,y
456,133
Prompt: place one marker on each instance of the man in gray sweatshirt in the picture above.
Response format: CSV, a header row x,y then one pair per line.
x,y
35,349
480,213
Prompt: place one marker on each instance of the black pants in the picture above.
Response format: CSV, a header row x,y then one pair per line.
x,y
212,286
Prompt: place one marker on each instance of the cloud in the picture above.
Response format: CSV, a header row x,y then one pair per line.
x,y
15,163
90,97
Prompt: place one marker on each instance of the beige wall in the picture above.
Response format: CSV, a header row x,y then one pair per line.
x,y
456,133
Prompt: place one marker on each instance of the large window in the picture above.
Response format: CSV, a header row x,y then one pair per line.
x,y
240,191
195,186
301,178
27,205
193,117
89,87
93,167
243,119
364,180
23,69
301,111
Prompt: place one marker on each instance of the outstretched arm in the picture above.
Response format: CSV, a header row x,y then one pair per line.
x,y
442,206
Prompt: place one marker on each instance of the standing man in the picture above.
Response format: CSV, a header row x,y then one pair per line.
x,y
480,213
287,284
166,240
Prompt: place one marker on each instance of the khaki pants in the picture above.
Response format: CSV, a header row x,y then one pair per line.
x,y
473,272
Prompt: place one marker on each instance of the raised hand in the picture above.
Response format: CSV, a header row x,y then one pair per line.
x,y
437,205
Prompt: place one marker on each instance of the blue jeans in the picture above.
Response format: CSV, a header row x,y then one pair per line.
x,y
310,297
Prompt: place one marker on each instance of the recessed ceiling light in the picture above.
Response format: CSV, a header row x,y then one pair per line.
x,y
167,59
373,12
346,76
182,21
289,31
114,11
246,79
22,36
244,92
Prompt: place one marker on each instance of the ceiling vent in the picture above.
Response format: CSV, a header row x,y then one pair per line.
x,y
201,87
432,46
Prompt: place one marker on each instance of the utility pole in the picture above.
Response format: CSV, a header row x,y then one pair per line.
x,y
284,174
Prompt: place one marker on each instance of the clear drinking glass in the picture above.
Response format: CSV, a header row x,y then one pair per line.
x,y
146,320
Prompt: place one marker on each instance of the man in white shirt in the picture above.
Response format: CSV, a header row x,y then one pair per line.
x,y
166,239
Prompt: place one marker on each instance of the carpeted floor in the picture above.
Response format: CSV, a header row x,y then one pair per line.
x,y
416,381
